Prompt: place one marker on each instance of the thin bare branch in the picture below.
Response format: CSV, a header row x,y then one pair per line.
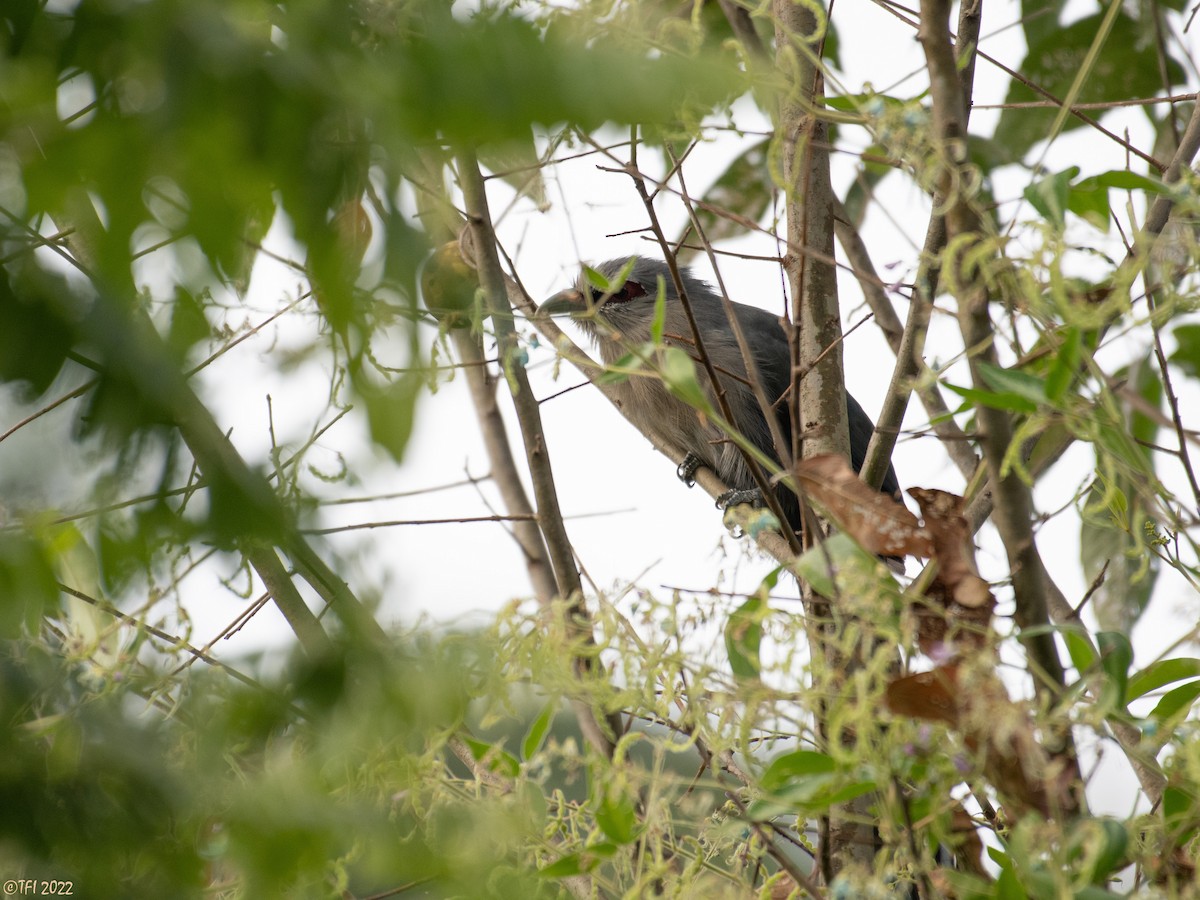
x,y
537,454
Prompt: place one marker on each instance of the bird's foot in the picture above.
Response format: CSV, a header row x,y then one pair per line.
x,y
687,468
742,521
753,496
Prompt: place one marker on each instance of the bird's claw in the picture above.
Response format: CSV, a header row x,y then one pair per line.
x,y
753,496
687,468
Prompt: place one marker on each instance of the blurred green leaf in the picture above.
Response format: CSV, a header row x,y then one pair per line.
x,y
28,586
391,410
1080,649
679,376
1113,530
850,562
743,637
498,759
1014,381
1065,364
536,735
1176,702
1181,813
1187,349
1125,68
1012,402
189,325
743,189
517,77
1099,845
617,817
1160,673
1116,655
517,163
1049,196
578,863
660,315
34,339
798,763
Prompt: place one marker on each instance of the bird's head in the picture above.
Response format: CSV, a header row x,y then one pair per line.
x,y
624,295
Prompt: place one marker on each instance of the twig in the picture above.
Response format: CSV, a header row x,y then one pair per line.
x,y
554,532
396,523
1013,513
527,534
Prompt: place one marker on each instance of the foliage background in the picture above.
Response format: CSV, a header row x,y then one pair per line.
x,y
209,203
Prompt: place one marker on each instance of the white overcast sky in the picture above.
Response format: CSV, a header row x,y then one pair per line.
x,y
628,516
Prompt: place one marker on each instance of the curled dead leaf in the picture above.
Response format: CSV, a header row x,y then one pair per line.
x,y
873,519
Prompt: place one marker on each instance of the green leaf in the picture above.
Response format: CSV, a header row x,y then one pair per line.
x,y
1124,180
620,371
1181,814
28,586
861,192
578,863
1148,384
567,866
796,764
391,410
1125,68
1165,671
1065,365
536,735
1097,847
660,314
1014,381
1049,195
743,189
34,338
607,285
447,76
1040,18
1114,521
1006,401
743,635
810,794
1116,655
1091,204
1187,349
1176,701
1080,649
806,780
189,325
617,817
847,559
516,162
1008,886
679,376
499,759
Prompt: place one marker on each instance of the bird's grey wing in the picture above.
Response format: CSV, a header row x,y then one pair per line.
x,y
767,337
861,429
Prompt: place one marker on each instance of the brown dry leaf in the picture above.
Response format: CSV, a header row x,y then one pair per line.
x,y
926,695
968,847
976,705
783,888
933,618
875,520
952,547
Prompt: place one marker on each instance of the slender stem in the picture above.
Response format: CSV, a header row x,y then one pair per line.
x,y
537,451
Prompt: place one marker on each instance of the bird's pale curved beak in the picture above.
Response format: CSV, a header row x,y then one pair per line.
x,y
565,303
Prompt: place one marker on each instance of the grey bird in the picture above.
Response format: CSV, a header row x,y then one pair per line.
x,y
627,314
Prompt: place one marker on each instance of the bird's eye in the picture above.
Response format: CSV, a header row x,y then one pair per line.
x,y
629,291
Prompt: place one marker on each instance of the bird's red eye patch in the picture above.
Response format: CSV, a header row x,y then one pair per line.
x,y
630,291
